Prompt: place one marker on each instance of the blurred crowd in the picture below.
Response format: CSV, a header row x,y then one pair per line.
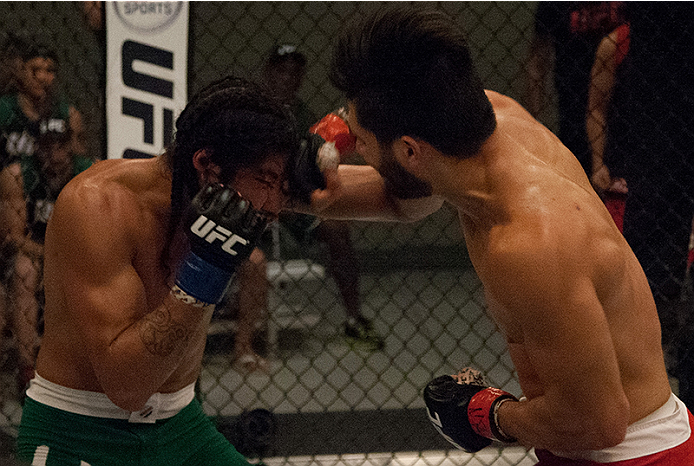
x,y
41,148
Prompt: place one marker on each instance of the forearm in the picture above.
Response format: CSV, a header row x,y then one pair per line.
x,y
360,194
142,358
541,423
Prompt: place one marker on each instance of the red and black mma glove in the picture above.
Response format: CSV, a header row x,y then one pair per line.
x,y
334,129
465,411
223,228
320,150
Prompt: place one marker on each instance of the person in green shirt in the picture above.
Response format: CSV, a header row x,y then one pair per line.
x,y
41,148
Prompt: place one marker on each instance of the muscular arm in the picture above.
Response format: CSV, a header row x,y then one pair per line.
x,y
357,192
561,345
132,346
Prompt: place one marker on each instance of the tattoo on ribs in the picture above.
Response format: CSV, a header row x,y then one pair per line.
x,y
160,333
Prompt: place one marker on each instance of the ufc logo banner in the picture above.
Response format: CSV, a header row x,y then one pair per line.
x,y
146,75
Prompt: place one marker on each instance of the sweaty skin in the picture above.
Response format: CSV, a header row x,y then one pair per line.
x,y
111,324
561,282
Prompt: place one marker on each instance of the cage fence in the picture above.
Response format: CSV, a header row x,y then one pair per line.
x,y
324,396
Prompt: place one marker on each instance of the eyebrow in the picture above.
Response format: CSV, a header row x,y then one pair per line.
x,y
275,176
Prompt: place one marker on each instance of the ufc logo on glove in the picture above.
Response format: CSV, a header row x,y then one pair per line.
x,y
205,228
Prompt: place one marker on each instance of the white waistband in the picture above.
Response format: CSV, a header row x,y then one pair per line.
x,y
158,406
665,428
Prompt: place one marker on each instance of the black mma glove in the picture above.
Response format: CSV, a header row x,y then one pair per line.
x,y
222,228
321,149
464,410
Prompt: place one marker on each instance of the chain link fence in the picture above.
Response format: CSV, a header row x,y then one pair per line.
x,y
321,393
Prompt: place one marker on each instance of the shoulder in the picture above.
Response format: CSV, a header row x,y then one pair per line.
x,y
530,269
93,233
514,120
95,219
105,177
556,248
99,194
504,104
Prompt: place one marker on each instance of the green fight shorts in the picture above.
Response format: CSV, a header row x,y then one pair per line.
x,y
52,437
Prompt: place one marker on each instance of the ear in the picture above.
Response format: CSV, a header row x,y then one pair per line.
x,y
208,172
409,153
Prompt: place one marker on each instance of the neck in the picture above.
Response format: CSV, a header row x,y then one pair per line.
x,y
465,183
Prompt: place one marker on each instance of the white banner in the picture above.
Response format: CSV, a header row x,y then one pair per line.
x,y
146,75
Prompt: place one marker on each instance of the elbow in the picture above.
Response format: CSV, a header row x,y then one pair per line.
x,y
608,435
124,394
593,427
609,427
127,400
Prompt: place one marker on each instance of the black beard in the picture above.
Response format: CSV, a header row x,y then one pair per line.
x,y
401,183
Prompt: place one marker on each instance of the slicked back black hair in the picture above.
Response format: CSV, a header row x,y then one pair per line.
x,y
409,71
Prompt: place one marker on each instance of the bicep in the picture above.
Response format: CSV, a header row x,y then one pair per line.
x,y
568,338
565,332
92,267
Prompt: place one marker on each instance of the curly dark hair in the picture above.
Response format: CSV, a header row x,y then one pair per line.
x,y
408,71
238,124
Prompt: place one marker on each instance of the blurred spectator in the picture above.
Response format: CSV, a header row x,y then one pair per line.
x,y
567,35
28,190
14,49
93,13
36,108
650,143
33,113
283,75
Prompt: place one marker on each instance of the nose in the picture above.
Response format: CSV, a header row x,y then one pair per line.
x,y
274,202
47,78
